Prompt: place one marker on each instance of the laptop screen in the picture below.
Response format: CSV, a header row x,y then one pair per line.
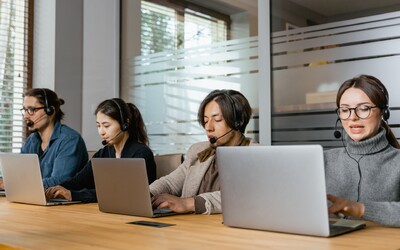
x,y
276,188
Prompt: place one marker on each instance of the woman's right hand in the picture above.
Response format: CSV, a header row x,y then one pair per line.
x,y
58,192
345,206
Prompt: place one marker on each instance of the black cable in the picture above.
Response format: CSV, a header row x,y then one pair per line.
x,y
358,166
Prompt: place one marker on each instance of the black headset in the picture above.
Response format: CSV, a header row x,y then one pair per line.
x,y
385,112
385,109
124,123
48,110
236,124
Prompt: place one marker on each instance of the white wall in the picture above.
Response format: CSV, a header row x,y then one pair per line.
x,y
100,62
264,69
68,60
44,43
57,53
76,53
130,40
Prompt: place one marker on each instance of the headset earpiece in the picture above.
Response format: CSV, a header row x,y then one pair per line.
x,y
336,132
386,113
48,110
124,123
125,126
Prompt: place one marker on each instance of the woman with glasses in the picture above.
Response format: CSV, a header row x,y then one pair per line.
x,y
61,150
363,177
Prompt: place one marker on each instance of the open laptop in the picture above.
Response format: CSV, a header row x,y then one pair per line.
x,y
277,188
23,180
122,187
2,191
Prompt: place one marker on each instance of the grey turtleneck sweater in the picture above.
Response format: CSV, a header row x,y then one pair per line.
x,y
379,165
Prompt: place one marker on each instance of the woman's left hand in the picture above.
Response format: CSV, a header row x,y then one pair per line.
x,y
344,206
176,204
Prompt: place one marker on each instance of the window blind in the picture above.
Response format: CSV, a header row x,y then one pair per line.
x,y
171,26
159,28
14,73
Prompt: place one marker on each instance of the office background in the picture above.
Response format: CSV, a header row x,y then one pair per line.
x,y
289,71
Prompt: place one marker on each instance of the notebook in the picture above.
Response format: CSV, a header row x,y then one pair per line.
x,y
277,188
23,180
122,187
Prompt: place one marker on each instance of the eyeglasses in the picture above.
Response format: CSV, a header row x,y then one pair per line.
x,y
361,112
30,110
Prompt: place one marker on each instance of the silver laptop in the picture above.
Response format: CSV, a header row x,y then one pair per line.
x,y
122,187
277,188
23,180
2,191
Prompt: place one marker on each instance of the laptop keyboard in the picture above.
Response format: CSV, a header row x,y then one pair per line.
x,y
347,226
57,200
162,212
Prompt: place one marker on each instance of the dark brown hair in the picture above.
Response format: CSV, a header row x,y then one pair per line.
x,y
377,93
127,114
234,106
44,95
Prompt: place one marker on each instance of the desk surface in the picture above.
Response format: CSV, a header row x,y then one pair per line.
x,y
83,226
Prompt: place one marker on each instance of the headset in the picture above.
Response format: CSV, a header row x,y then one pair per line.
x,y
337,134
237,124
48,110
124,123
385,109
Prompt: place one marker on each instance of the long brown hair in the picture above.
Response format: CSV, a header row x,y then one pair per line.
x,y
377,93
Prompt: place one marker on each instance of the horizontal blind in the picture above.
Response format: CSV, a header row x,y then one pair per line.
x,y
159,28
169,27
13,71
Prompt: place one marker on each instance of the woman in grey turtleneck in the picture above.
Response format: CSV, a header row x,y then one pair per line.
x,y
363,177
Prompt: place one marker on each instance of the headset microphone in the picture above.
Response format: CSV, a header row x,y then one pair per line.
x,y
215,139
337,133
30,123
105,142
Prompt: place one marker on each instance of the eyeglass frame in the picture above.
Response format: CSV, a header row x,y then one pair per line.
x,y
355,111
31,110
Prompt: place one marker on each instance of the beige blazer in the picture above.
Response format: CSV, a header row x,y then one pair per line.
x,y
185,181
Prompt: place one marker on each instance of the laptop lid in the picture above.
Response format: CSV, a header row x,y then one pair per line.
x,y
275,188
122,186
23,180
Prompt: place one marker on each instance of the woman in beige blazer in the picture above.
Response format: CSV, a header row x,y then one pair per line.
x,y
194,186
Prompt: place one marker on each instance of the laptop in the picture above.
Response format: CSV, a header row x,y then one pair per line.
x,y
277,188
2,191
122,187
23,180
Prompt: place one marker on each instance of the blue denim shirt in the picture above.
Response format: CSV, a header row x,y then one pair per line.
x,y
65,155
